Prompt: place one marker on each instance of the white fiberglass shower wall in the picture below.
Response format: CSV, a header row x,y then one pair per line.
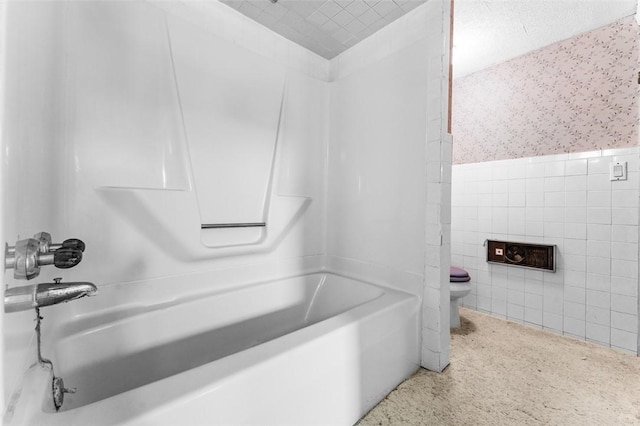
x,y
104,139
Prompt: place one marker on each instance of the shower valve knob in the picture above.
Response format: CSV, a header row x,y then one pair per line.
x,y
65,258
72,243
28,255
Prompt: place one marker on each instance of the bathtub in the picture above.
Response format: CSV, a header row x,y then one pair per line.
x,y
312,349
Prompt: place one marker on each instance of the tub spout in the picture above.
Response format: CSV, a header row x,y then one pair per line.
x,y
46,294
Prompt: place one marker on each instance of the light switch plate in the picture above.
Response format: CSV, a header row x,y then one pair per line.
x,y
618,170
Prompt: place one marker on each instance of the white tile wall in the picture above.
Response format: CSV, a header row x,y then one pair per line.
x,y
566,200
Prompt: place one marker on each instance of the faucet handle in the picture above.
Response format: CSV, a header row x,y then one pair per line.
x,y
72,243
28,255
65,258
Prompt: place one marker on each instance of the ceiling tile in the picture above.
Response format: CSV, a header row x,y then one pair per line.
x,y
355,26
344,3
260,4
318,18
326,27
343,18
330,27
330,8
369,17
304,8
276,10
385,7
343,36
357,8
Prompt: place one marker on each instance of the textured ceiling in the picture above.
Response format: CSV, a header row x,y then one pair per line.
x,y
326,27
488,32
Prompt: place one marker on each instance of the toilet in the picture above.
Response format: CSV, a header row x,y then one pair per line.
x,y
459,286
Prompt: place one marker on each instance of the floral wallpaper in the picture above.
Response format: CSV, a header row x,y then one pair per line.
x,y
577,95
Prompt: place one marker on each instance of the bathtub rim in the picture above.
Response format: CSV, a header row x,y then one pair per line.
x,y
90,320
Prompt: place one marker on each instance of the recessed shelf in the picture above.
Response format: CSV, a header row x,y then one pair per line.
x,y
524,255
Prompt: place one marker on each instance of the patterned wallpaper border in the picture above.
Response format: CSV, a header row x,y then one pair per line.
x,y
577,95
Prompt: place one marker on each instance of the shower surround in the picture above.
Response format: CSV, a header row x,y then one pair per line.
x,y
106,131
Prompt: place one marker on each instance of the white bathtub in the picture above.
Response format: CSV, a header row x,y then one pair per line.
x,y
312,349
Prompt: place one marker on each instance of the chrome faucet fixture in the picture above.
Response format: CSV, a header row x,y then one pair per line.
x,y
46,294
26,258
28,255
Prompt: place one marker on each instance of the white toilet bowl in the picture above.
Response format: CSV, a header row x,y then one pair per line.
x,y
458,289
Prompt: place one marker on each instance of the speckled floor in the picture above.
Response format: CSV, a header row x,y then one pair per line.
x,y
503,373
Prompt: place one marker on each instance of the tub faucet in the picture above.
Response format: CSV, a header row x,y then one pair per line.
x,y
38,295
